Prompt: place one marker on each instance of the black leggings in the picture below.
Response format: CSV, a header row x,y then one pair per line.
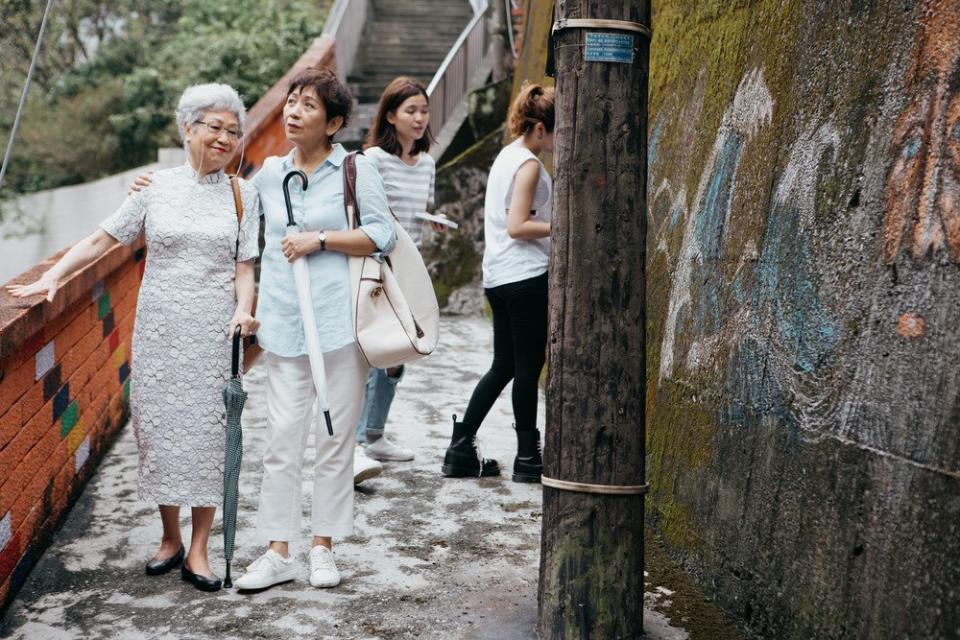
x,y
519,351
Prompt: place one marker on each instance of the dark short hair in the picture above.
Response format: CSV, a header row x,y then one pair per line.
x,y
383,134
336,97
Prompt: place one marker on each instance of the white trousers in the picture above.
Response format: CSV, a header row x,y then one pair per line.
x,y
290,420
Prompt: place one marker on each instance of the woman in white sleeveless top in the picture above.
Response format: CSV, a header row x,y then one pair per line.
x,y
517,210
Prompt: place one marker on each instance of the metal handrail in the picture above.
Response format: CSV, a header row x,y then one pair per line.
x,y
454,50
344,24
452,81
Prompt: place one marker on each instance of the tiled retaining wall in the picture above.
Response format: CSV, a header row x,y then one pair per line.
x,y
64,382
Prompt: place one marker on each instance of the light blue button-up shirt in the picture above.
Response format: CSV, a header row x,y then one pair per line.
x,y
320,207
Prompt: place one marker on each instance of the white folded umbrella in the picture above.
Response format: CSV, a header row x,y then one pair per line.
x,y
301,275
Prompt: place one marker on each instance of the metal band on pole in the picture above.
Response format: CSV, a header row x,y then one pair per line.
x,y
23,96
590,23
583,487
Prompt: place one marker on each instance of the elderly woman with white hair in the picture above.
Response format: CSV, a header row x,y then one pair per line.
x,y
198,285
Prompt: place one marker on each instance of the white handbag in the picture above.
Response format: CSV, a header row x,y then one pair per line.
x,y
395,310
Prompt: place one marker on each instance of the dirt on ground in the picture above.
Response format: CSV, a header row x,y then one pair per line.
x,y
430,558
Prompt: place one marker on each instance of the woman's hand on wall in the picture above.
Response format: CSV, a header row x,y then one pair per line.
x,y
300,244
247,323
79,255
47,284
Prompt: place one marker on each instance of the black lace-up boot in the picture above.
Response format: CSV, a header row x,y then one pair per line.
x,y
463,459
528,465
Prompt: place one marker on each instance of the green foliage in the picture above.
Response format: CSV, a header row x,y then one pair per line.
x,y
111,72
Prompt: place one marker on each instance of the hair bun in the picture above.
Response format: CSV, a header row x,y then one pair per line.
x,y
534,104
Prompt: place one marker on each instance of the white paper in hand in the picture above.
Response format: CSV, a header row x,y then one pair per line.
x,y
429,217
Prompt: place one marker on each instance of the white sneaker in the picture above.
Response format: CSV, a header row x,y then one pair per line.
x,y
363,467
386,450
269,569
323,569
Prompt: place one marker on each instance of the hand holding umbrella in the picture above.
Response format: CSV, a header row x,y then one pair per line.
x,y
301,276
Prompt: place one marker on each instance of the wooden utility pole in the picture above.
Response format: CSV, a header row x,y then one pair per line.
x,y
591,571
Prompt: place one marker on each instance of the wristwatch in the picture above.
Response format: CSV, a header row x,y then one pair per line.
x,y
322,237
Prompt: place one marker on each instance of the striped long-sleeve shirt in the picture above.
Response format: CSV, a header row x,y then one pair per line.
x,y
409,187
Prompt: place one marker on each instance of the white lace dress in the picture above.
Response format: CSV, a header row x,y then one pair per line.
x,y
181,350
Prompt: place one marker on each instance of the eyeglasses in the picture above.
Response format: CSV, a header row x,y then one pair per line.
x,y
215,128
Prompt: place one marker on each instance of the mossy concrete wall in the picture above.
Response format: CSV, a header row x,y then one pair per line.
x,y
803,416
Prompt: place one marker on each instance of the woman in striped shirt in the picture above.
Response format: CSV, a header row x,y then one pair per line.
x,y
397,144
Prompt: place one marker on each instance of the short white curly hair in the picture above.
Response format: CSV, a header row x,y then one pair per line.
x,y
201,98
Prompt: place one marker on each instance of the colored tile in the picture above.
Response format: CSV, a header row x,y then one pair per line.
x,y
97,291
83,452
22,570
103,305
9,556
6,530
60,401
33,343
69,419
51,382
44,359
75,437
126,390
124,372
108,324
139,253
114,339
120,356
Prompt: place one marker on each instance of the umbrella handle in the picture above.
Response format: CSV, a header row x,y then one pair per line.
x,y
235,365
286,192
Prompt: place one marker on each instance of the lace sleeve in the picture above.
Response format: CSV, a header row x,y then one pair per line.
x,y
126,224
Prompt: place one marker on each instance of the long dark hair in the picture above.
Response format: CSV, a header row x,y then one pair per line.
x,y
383,134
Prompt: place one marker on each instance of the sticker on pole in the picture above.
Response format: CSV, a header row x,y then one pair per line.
x,y
609,47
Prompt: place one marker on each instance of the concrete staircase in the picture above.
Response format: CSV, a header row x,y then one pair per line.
x,y
401,37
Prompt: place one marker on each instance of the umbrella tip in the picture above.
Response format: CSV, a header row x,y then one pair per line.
x,y
227,582
326,416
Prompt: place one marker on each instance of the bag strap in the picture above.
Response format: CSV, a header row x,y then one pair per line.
x,y
238,204
350,190
237,200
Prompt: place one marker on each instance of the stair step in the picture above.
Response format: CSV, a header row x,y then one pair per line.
x,y
406,38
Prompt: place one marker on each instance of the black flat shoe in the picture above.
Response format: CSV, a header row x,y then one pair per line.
x,y
203,583
160,567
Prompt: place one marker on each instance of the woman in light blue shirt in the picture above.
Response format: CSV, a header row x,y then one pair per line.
x,y
317,106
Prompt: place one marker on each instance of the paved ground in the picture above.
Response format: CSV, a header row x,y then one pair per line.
x,y
431,558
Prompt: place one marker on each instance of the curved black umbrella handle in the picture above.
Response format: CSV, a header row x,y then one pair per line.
x,y
235,365
286,192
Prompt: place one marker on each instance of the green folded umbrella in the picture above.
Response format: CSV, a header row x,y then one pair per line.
x,y
233,398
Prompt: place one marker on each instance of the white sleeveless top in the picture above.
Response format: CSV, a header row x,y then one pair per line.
x,y
506,260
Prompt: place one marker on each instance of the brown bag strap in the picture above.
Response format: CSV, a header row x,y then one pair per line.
x,y
350,190
237,200
238,203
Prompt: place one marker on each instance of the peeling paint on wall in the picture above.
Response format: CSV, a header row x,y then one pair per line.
x,y
704,232
803,282
923,184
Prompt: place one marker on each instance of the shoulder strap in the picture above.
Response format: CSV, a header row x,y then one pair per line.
x,y
350,204
237,200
